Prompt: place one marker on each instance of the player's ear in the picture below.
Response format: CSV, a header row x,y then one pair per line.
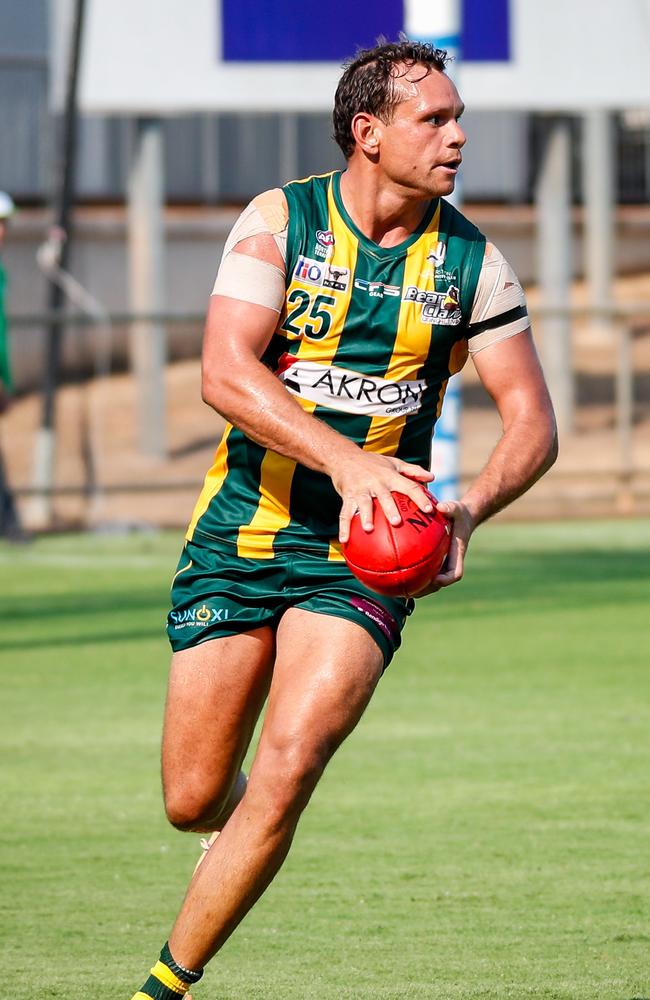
x,y
365,132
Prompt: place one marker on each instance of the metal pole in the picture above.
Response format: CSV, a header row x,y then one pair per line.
x,y
440,24
289,146
40,511
146,263
10,526
553,202
210,179
599,231
625,417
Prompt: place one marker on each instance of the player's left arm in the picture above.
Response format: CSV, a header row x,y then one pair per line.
x,y
501,345
510,371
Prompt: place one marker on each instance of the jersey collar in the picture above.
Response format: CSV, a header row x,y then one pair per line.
x,y
381,253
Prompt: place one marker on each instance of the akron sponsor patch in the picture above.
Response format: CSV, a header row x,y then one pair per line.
x,y
321,274
349,391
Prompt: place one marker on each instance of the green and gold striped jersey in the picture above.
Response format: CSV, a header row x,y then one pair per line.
x,y
367,341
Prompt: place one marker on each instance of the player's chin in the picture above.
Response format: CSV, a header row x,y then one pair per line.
x,y
445,180
448,187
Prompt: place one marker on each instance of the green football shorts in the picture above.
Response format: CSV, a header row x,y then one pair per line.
x,y
215,592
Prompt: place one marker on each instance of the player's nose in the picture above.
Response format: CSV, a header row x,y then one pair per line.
x,y
457,137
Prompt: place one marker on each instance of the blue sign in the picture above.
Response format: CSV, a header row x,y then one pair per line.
x,y
332,31
486,31
305,30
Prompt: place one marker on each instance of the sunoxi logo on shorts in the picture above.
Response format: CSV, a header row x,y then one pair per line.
x,y
197,617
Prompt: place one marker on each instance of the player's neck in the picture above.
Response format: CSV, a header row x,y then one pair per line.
x,y
385,214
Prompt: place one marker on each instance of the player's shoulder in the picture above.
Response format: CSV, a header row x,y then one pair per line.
x,y
494,261
453,220
274,209
309,192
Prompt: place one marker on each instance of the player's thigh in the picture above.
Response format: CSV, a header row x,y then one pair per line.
x,y
215,694
326,670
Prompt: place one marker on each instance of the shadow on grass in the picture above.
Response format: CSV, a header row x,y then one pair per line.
x,y
573,580
86,639
72,604
495,582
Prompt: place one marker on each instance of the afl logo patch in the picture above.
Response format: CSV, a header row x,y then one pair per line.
x,y
325,237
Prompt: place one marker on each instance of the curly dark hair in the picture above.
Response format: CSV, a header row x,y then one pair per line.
x,y
368,83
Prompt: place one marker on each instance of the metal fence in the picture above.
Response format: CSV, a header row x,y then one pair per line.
x,y
102,479
214,158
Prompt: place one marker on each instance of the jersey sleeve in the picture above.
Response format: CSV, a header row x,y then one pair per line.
x,y
499,309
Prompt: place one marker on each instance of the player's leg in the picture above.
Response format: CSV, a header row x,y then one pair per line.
x,y
216,692
326,670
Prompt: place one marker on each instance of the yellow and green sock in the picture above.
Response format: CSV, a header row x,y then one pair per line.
x,y
168,980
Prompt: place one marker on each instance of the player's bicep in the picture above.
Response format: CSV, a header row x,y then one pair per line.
x,y
247,300
511,372
235,330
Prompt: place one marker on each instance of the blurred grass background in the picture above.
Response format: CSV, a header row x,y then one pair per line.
x,y
483,833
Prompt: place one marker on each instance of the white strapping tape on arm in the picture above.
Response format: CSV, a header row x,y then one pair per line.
x,y
252,223
497,293
250,280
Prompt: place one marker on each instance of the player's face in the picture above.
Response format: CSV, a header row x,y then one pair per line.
x,y
419,149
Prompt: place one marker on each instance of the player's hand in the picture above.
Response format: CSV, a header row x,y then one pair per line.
x,y
462,527
369,475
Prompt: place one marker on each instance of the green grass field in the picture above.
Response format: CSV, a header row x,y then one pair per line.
x,y
484,833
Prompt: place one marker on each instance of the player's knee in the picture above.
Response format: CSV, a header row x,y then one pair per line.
x,y
183,812
286,777
190,808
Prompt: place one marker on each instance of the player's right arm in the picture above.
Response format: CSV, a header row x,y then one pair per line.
x,y
238,385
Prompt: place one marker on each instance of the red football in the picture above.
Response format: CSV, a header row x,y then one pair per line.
x,y
399,560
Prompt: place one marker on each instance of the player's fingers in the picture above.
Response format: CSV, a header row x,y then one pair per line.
x,y
360,505
417,472
446,580
366,511
430,588
453,566
387,503
348,510
418,495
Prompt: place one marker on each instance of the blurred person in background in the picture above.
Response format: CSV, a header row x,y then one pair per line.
x,y
342,305
9,522
7,209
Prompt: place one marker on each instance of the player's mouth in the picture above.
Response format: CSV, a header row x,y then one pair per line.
x,y
451,165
